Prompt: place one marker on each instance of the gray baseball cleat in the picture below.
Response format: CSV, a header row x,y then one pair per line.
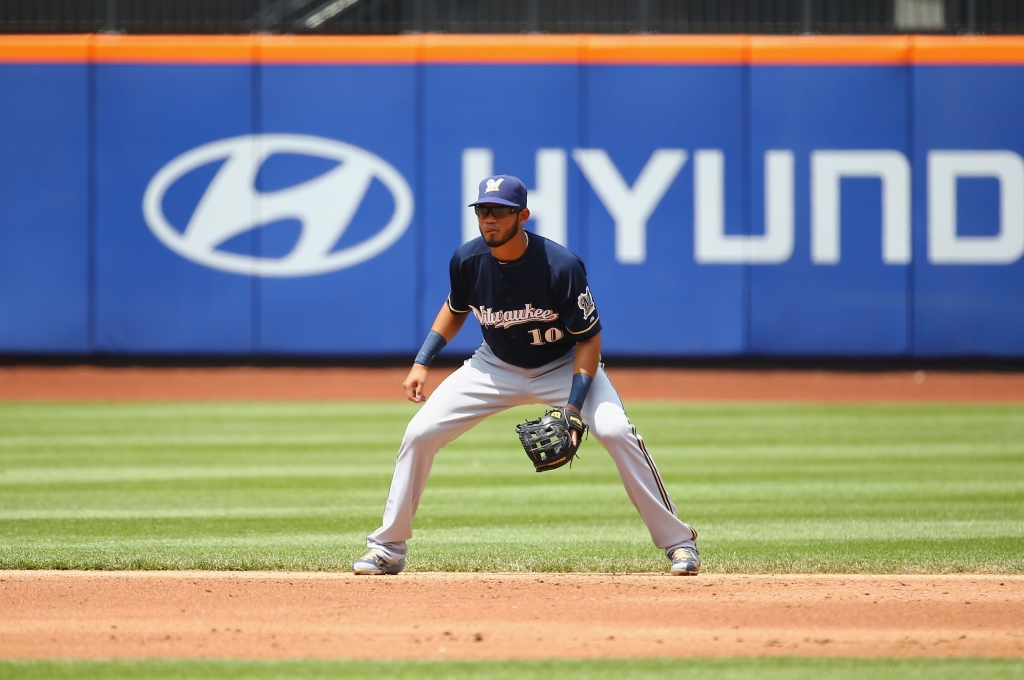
x,y
373,563
685,562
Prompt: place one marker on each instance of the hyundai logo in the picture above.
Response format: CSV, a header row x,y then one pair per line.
x,y
232,205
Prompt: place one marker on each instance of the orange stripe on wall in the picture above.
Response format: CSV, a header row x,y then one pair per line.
x,y
44,49
516,49
505,49
666,49
502,49
830,50
316,49
964,50
174,49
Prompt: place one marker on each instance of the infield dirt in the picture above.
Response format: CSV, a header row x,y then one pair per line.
x,y
260,615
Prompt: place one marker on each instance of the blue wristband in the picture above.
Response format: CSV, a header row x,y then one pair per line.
x,y
434,343
580,387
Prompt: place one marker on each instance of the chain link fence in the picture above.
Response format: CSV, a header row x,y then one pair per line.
x,y
513,16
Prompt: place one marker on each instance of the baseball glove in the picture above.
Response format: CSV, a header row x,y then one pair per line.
x,y
548,439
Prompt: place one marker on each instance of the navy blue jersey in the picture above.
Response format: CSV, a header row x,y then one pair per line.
x,y
531,310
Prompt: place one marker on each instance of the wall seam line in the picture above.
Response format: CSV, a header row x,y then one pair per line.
x,y
92,292
256,122
746,192
420,226
911,267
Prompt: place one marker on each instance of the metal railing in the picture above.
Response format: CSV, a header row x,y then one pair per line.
x,y
512,16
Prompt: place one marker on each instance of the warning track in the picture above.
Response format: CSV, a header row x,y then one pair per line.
x,y
92,383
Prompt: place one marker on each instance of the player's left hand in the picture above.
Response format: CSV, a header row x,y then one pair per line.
x,y
551,441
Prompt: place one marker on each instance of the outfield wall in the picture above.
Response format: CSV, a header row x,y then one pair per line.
x,y
730,195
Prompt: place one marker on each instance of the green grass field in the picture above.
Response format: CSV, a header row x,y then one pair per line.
x,y
771,488
629,669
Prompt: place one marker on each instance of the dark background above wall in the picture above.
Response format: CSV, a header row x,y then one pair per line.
x,y
513,16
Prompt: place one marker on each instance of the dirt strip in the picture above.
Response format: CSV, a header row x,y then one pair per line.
x,y
488,616
91,383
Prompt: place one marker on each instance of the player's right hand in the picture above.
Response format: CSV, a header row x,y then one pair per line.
x,y
415,383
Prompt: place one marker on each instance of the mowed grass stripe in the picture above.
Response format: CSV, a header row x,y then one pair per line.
x,y
771,487
590,669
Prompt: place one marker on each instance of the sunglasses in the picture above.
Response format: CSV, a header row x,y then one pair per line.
x,y
500,212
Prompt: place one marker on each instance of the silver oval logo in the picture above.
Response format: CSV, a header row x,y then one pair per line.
x,y
232,205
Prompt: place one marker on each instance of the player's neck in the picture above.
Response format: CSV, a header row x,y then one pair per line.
x,y
513,249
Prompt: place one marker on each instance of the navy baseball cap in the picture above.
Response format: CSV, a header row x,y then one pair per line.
x,y
503,190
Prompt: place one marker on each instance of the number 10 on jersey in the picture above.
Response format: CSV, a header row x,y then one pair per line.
x,y
550,335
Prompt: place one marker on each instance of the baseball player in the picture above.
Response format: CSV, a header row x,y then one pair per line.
x,y
542,344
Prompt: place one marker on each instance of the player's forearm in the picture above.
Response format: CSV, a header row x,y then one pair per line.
x,y
448,323
588,355
446,326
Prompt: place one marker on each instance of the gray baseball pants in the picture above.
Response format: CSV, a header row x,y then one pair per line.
x,y
484,385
